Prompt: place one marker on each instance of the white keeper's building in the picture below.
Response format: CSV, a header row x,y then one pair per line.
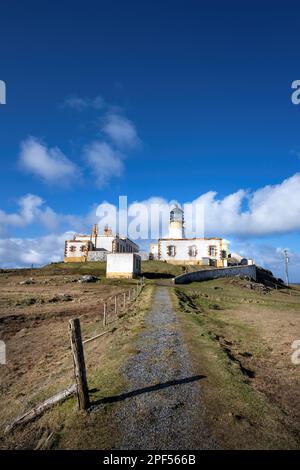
x,y
95,247
177,249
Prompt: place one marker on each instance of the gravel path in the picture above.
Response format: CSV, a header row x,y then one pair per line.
x,y
162,406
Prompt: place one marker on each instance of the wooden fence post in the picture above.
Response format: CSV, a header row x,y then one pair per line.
x,y
124,300
79,364
129,295
116,305
104,313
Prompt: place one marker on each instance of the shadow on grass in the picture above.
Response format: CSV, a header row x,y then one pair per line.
x,y
158,275
152,388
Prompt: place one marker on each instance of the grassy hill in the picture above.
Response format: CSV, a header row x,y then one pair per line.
x,y
150,269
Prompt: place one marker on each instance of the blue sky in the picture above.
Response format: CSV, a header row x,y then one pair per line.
x,y
168,99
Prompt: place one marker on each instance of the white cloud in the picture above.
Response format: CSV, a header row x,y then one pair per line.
x,y
104,162
22,252
81,104
242,215
101,157
120,130
273,209
28,209
267,211
33,210
49,164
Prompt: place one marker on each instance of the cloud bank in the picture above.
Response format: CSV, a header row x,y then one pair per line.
x,y
273,209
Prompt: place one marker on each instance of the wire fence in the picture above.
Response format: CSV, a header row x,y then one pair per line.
x,y
63,381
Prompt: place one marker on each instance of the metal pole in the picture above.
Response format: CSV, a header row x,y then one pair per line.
x,y
286,259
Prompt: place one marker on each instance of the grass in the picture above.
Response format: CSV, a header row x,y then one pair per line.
x,y
150,269
71,429
97,430
224,348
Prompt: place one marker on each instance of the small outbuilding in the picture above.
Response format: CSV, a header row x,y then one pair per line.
x,y
123,265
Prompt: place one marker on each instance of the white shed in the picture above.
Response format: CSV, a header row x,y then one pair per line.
x,y
123,265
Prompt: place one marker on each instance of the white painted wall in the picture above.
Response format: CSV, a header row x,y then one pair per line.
x,y
123,265
73,249
154,248
182,249
176,230
106,242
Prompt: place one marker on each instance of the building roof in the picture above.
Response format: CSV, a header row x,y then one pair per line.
x,y
195,238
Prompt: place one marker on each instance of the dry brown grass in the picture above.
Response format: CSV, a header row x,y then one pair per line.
x,y
34,325
240,338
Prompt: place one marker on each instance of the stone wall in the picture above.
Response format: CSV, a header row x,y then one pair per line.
x,y
97,256
207,274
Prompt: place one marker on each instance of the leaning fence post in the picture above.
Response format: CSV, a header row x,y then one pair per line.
x,y
79,364
104,313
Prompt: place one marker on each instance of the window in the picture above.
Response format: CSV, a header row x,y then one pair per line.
x,y
72,248
83,248
212,250
171,250
193,251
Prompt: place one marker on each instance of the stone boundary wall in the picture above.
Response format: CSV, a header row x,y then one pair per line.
x,y
206,274
97,256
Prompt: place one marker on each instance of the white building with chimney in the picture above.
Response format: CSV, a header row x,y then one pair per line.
x,y
177,249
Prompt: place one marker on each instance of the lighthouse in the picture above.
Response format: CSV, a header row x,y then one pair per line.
x,y
176,225
177,249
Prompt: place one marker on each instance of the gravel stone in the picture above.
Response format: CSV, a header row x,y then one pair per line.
x,y
163,408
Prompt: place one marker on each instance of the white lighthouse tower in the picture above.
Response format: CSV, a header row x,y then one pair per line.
x,y
176,226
